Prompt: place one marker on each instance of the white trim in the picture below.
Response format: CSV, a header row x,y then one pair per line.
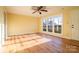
x,y
2,37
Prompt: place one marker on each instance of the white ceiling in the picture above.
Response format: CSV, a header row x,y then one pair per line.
x,y
27,10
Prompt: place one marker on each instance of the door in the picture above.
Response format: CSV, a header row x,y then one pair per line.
x,y
75,24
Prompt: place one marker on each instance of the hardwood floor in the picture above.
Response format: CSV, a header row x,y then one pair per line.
x,y
43,43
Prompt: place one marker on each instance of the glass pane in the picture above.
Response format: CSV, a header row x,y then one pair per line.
x,y
57,29
44,25
56,21
57,24
60,24
49,25
60,20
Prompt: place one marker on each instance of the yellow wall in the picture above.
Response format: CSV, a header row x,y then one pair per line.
x,y
66,21
21,24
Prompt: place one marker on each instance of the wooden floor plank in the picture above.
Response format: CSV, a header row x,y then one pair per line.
x,y
42,43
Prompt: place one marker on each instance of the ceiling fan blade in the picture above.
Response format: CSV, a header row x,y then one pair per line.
x,y
34,11
44,10
39,8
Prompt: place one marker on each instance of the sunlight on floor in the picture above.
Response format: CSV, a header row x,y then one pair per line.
x,y
17,43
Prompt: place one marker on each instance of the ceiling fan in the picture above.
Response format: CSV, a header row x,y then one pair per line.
x,y
39,9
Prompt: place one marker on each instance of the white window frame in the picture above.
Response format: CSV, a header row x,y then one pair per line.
x,y
53,33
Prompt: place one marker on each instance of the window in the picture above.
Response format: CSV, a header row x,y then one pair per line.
x,y
44,25
57,24
53,24
50,23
